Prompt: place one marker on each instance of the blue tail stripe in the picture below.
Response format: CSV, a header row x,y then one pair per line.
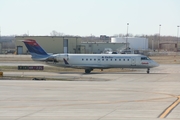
x,y
33,47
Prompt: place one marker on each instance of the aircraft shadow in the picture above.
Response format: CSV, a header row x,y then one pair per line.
x,y
108,73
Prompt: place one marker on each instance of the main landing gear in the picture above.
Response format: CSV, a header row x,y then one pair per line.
x,y
87,71
148,71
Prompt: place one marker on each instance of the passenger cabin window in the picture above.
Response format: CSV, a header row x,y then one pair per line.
x,y
90,59
119,59
82,59
124,59
102,59
86,59
94,59
106,59
115,59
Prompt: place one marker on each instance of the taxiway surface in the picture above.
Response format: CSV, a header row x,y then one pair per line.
x,y
97,96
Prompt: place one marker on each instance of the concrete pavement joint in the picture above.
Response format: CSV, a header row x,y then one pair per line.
x,y
88,102
29,114
106,114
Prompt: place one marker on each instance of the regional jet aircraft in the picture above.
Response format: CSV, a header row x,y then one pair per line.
x,y
88,62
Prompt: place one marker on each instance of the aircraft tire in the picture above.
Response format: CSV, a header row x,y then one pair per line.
x,y
148,71
87,71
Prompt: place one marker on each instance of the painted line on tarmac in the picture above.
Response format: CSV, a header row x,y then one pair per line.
x,y
170,108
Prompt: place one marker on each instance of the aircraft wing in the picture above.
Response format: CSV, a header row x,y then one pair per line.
x,y
87,66
84,66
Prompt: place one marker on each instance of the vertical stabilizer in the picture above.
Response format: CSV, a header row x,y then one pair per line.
x,y
35,49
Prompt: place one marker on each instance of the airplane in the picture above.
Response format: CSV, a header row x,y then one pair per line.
x,y
88,62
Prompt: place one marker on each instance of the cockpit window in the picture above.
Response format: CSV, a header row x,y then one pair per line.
x,y
145,58
148,58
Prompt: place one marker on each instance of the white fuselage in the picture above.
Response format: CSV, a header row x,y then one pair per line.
x,y
89,61
103,61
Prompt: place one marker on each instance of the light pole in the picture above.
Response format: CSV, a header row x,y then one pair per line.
x,y
159,37
177,36
127,35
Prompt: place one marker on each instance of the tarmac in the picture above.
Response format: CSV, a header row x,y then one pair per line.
x,y
132,95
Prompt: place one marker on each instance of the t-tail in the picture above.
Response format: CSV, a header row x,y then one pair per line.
x,y
36,51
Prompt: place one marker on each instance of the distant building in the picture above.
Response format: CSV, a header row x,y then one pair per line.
x,y
104,37
51,44
134,43
6,44
99,47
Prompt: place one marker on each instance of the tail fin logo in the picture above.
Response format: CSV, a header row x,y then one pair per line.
x,y
34,47
33,43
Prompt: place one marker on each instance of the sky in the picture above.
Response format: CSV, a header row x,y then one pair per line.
x,y
89,17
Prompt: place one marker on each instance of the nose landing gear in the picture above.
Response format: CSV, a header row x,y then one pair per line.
x,y
148,71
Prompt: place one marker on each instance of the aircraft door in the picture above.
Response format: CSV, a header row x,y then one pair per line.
x,y
133,61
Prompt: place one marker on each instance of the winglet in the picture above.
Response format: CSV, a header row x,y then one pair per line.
x,y
65,61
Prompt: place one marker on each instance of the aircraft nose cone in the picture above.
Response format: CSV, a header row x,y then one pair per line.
x,y
156,64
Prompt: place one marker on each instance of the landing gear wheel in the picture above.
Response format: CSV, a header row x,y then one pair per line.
x,y
87,71
148,71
